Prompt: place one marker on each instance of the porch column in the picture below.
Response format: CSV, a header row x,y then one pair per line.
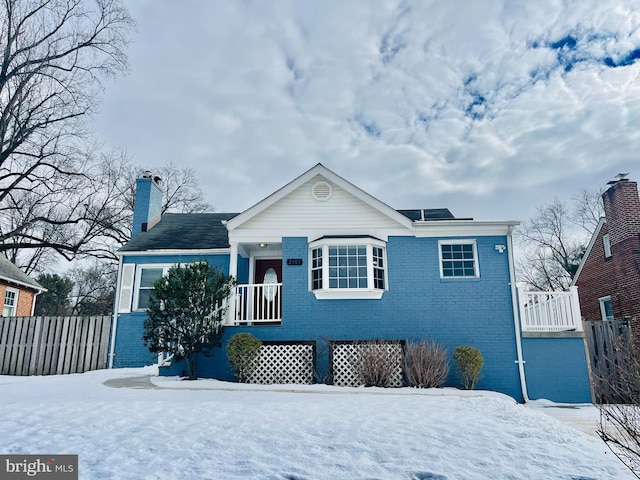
x,y
233,271
233,260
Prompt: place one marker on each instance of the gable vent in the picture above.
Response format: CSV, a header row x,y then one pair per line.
x,y
321,191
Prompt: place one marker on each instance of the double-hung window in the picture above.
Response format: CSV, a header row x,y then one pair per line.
x,y
606,243
347,268
10,303
606,308
146,276
458,259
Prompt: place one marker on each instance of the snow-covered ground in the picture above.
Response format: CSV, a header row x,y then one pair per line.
x,y
214,430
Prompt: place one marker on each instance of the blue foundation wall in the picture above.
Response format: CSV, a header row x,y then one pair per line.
x,y
556,369
129,348
418,304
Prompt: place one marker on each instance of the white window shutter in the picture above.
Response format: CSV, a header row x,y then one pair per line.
x,y
126,288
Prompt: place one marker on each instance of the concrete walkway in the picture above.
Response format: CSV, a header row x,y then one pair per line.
x,y
583,418
139,382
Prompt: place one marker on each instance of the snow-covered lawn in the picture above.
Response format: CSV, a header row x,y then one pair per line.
x,y
214,430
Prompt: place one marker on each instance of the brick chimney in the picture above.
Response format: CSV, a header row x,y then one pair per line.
x,y
147,207
622,209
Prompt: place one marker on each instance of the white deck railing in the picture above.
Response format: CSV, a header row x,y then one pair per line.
x,y
255,303
550,311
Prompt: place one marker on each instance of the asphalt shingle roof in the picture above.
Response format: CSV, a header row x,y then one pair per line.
x,y
9,271
183,231
195,231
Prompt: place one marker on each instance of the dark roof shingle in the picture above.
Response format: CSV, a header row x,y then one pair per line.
x,y
10,272
183,231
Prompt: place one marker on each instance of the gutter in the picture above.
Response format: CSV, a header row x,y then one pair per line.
x,y
516,317
114,318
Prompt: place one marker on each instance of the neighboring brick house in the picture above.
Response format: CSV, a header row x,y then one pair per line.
x,y
608,278
320,264
18,290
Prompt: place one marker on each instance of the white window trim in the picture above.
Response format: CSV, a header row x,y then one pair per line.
x,y
15,300
136,285
603,310
327,293
476,262
606,243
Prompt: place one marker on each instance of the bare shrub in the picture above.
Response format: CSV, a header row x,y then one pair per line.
x,y
425,364
617,389
377,363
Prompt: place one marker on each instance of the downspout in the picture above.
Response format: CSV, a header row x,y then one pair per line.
x,y
33,301
114,320
516,316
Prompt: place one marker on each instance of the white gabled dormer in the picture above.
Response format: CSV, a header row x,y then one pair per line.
x,y
316,204
328,211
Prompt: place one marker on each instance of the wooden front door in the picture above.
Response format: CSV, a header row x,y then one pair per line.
x,y
268,301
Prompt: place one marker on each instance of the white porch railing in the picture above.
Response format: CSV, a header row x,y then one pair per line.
x,y
255,303
550,311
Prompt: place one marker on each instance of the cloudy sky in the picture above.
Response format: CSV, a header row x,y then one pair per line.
x,y
487,107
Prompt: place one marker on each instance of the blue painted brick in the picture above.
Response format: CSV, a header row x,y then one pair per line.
x,y
419,304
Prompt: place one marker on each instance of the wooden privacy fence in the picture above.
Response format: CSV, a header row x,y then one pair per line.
x,y
53,345
610,346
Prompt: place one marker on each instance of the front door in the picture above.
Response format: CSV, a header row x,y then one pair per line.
x,y
268,301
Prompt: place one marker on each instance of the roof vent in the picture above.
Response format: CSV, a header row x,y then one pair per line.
x,y
321,191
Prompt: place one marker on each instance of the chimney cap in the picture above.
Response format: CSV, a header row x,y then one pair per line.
x,y
620,177
149,174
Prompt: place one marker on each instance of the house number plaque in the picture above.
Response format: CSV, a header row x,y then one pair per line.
x,y
294,261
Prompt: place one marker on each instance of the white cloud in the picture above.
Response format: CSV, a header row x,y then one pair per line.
x,y
417,102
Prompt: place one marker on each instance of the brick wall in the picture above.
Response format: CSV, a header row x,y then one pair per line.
x,y
129,349
619,275
25,300
148,204
622,210
419,304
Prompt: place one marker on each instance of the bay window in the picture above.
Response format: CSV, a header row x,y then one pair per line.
x,y
347,268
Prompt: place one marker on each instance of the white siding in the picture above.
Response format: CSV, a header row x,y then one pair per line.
x,y
299,210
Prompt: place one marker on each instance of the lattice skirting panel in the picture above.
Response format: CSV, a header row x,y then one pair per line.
x,y
284,363
346,357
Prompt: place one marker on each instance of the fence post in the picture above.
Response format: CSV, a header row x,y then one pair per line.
x,y
575,308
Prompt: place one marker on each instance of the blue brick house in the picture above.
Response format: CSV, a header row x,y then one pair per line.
x,y
321,264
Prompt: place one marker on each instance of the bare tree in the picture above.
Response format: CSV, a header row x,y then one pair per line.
x,y
617,389
555,240
87,217
588,210
53,54
93,288
181,191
